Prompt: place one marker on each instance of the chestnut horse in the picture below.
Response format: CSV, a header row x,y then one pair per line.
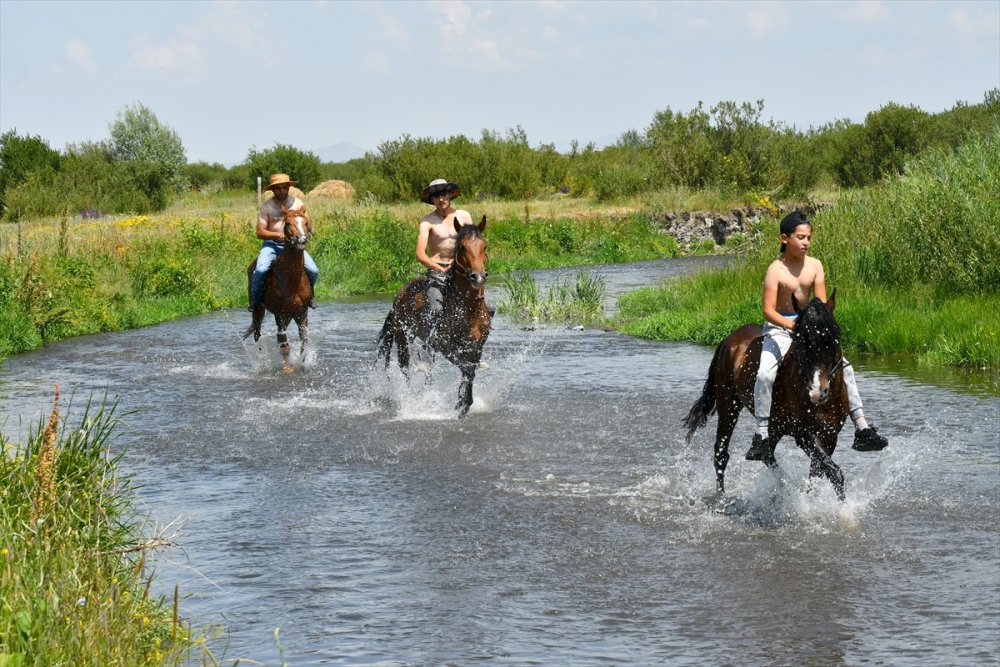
x,y
464,323
809,398
286,286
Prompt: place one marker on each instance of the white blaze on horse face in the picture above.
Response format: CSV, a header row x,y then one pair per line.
x,y
816,394
300,233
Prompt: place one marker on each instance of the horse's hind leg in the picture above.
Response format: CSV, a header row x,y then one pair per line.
x,y
723,434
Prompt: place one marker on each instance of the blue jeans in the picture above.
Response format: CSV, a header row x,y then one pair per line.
x,y
269,251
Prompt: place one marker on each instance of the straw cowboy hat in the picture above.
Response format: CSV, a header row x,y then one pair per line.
x,y
279,179
436,187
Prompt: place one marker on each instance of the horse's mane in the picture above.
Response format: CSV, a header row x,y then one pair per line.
x,y
467,230
816,328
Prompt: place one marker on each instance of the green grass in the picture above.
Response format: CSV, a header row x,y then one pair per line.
x,y
74,588
915,261
579,301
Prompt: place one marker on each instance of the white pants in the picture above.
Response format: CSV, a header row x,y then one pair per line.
x,y
777,340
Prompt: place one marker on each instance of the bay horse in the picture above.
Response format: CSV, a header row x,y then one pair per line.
x,y
463,324
809,399
286,286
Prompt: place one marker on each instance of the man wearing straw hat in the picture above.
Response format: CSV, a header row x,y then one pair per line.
x,y
436,240
271,230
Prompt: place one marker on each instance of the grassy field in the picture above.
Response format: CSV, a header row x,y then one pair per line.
x,y
67,277
916,262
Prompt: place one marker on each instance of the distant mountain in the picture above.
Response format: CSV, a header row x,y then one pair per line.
x,y
340,152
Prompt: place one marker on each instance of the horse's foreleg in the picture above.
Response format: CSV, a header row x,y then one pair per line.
x,y
283,345
821,464
465,391
303,325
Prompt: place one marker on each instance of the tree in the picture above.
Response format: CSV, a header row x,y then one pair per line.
x,y
138,136
20,157
302,166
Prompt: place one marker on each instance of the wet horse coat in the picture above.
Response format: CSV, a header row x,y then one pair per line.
x,y
464,323
809,399
286,286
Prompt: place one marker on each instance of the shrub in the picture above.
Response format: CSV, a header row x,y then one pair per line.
x,y
21,156
302,166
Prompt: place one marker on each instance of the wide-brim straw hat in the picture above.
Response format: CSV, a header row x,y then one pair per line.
x,y
280,179
436,187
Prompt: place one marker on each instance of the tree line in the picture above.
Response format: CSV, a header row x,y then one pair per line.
x,y
729,147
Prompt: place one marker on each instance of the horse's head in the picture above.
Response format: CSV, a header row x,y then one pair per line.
x,y
817,349
470,253
298,229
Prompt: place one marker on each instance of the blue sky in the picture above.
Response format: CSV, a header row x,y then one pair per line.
x,y
316,74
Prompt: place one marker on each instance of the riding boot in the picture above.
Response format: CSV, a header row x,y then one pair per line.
x,y
759,448
312,299
868,440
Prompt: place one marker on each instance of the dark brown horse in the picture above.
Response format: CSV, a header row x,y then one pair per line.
x,y
809,399
464,323
286,286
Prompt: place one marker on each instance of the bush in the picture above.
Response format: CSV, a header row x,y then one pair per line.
x,y
21,156
302,166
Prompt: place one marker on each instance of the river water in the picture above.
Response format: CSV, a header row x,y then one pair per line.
x,y
563,522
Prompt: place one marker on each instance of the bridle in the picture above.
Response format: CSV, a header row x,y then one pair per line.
x,y
459,269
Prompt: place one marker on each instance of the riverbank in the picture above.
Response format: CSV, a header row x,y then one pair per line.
x,y
915,259
74,588
916,262
75,276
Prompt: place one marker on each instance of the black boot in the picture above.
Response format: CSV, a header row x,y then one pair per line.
x,y
868,440
759,448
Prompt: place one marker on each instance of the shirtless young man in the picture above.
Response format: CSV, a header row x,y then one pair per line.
x,y
271,230
794,272
436,239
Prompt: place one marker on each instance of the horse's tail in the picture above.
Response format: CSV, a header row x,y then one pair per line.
x,y
705,405
385,337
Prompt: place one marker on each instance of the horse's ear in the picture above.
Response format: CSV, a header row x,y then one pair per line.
x,y
458,225
795,304
482,224
831,303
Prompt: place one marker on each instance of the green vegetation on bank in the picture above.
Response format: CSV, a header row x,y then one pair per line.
x,y
63,278
915,260
74,587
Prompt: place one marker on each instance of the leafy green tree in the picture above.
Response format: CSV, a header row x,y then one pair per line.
x,y
20,157
137,135
302,166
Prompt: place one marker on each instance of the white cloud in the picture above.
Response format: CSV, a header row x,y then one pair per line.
x,y
80,55
172,56
392,29
768,19
869,11
456,15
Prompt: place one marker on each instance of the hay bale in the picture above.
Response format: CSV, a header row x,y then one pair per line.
x,y
332,190
294,191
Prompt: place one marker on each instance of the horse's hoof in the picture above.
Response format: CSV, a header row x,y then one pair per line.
x,y
287,370
483,366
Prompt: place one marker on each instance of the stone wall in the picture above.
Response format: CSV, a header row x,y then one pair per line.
x,y
692,228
